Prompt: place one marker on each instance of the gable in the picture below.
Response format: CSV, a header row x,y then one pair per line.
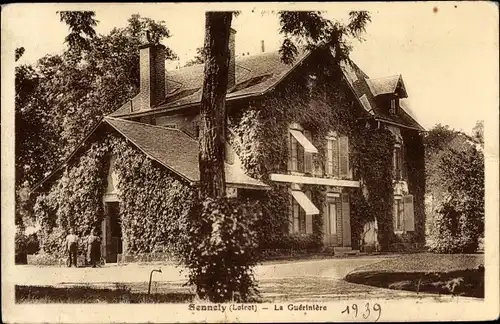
x,y
366,90
170,147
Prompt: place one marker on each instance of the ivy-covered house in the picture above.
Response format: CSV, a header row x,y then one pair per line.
x,y
332,155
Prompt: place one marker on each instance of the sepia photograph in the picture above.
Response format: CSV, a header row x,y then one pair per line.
x,y
250,162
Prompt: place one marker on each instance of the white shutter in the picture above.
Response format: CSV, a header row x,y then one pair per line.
x,y
409,217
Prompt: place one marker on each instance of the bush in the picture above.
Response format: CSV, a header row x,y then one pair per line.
x,y
25,244
53,242
453,232
220,249
20,248
293,242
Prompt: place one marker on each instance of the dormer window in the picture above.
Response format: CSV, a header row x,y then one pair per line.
x,y
393,109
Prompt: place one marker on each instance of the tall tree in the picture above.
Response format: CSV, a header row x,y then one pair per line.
x,y
213,108
62,97
219,255
81,28
455,189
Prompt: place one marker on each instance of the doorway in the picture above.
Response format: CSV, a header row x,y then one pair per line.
x,y
332,217
112,232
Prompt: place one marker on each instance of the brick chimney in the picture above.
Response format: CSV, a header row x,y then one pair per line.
x,y
231,81
152,74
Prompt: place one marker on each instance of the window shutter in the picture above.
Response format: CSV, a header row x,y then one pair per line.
x,y
309,227
343,156
302,220
346,220
308,164
409,217
300,157
395,215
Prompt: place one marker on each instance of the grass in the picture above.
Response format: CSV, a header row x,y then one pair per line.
x,y
87,294
424,262
271,290
457,274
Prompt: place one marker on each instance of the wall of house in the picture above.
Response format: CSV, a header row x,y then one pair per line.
x,y
262,130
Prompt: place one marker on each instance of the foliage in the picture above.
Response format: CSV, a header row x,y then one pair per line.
x,y
455,186
222,249
153,204
312,28
26,244
460,220
81,25
416,178
371,149
372,161
19,53
198,59
62,97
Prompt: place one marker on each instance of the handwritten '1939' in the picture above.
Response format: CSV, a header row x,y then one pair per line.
x,y
366,312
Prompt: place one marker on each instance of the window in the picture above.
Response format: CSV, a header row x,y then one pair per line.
x,y
337,156
298,217
296,155
301,150
398,162
301,212
394,105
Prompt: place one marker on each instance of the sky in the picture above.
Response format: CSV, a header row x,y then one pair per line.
x,y
447,52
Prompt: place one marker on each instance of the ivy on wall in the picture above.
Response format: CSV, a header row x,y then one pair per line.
x,y
153,203
415,161
320,109
372,160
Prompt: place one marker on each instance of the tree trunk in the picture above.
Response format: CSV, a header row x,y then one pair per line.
x,y
213,110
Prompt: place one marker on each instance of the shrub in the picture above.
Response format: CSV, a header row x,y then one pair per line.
x,y
453,232
54,242
221,249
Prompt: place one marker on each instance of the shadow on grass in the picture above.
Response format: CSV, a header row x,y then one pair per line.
x,y
78,295
469,282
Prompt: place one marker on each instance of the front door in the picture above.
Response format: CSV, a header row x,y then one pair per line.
x,y
113,244
332,222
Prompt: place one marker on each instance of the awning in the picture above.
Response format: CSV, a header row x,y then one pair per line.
x,y
306,144
305,203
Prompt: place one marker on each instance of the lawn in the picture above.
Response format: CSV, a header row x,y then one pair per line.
x,y
97,294
272,290
457,274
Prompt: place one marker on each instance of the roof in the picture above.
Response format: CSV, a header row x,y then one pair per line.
x,y
170,147
175,150
385,85
367,89
255,75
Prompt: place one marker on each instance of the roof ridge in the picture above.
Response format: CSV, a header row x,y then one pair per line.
x,y
385,77
147,125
